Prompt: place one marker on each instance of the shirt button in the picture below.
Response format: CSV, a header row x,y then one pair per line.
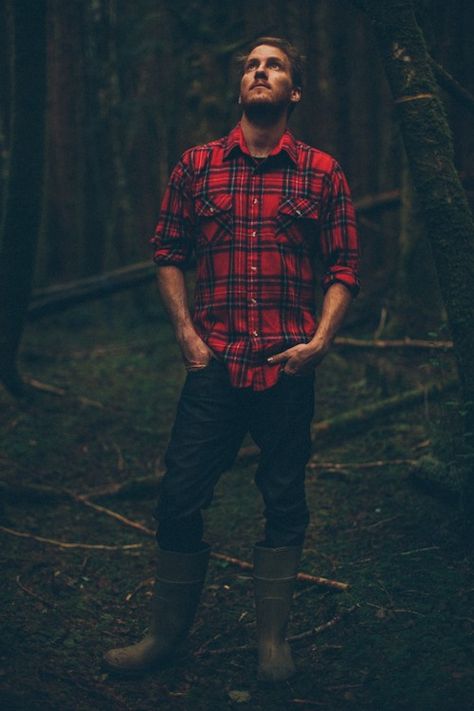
x,y
211,209
254,333
253,301
255,201
254,234
254,269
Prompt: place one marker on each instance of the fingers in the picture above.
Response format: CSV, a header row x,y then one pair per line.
x,y
197,364
279,358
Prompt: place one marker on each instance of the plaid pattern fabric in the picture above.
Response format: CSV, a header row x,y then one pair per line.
x,y
256,228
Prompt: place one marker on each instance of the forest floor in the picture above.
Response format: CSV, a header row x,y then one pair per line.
x,y
404,638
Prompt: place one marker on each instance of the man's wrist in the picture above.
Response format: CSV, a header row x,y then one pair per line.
x,y
320,343
185,332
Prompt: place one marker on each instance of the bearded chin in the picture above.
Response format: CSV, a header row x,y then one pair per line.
x,y
264,112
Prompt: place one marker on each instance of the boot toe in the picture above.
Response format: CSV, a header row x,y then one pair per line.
x,y
277,666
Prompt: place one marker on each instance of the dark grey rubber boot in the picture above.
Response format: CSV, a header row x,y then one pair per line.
x,y
178,586
275,572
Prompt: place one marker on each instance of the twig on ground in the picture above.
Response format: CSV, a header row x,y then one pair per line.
x,y
420,550
341,466
32,593
378,523
84,500
80,498
143,584
63,544
306,577
54,390
326,582
321,628
202,651
45,387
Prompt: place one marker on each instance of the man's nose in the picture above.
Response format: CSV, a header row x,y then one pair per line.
x,y
260,72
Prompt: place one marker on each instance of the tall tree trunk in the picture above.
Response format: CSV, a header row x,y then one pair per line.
x,y
21,217
449,223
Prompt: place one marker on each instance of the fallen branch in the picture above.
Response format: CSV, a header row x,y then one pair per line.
x,y
413,343
63,544
321,628
41,491
334,584
113,514
44,387
354,419
61,296
61,392
304,577
342,466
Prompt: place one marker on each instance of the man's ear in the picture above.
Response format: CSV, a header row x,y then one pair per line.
x,y
295,95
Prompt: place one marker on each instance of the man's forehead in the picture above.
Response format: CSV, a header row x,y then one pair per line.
x,y
264,51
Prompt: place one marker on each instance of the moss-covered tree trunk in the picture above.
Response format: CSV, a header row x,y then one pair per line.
x,y
23,199
449,223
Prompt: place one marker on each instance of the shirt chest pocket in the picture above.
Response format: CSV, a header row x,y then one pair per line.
x,y
297,221
214,220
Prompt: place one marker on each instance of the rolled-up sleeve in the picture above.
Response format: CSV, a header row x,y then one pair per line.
x,y
339,242
173,237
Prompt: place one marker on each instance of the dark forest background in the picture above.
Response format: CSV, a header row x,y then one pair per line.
x,y
130,85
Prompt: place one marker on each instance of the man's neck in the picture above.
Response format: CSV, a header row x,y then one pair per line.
x,y
261,139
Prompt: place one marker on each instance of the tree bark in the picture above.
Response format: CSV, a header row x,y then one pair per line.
x,y
23,200
449,223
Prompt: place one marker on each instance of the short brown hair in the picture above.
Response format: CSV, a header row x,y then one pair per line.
x,y
294,56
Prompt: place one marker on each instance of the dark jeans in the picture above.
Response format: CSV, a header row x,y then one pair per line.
x,y
211,422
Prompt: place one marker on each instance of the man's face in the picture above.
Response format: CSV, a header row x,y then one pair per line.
x,y
266,81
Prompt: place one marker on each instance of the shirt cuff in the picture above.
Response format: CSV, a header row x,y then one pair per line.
x,y
342,275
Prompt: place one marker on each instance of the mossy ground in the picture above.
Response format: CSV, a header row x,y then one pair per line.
x,y
408,643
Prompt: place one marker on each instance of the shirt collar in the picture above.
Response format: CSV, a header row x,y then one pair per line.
x,y
235,140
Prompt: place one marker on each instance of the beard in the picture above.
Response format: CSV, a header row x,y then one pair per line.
x,y
264,111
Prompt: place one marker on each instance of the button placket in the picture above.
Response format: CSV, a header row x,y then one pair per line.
x,y
251,273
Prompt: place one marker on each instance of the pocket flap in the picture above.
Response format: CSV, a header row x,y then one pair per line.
x,y
299,207
209,205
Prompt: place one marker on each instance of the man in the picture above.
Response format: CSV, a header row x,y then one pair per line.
x,y
256,208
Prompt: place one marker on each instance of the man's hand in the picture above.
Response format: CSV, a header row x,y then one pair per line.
x,y
301,359
196,354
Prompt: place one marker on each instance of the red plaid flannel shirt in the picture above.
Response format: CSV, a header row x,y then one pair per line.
x,y
255,228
